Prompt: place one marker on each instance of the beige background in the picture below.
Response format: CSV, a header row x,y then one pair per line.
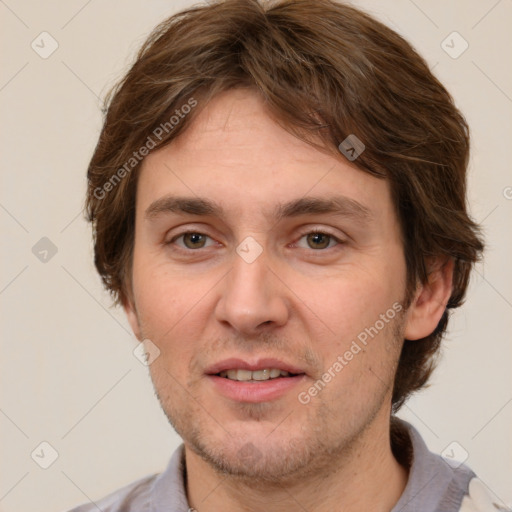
x,y
68,375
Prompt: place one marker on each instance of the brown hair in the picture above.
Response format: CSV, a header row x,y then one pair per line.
x,y
326,71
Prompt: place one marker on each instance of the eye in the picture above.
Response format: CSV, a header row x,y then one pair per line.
x,y
318,240
191,240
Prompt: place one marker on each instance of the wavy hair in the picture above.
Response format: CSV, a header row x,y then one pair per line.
x,y
326,70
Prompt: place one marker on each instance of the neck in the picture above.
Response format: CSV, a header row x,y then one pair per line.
x,y
367,478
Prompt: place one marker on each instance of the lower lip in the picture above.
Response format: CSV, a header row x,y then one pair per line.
x,y
255,391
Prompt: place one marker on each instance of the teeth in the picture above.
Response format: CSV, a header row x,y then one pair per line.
x,y
261,375
239,374
245,375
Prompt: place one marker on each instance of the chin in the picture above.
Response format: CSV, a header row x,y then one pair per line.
x,y
257,459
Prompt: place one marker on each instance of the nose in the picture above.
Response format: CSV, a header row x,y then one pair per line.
x,y
253,297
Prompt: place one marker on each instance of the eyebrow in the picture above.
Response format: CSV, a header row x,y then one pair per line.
x,y
337,205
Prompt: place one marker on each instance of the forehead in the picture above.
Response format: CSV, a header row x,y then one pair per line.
x,y
236,155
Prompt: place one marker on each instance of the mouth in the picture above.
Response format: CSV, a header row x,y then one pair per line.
x,y
258,381
255,376
259,370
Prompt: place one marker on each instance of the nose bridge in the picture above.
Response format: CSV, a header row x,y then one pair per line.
x,y
252,295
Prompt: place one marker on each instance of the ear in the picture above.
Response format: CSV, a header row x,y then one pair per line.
x,y
133,319
430,300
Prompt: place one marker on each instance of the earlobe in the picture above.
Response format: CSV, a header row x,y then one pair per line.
x,y
430,301
131,314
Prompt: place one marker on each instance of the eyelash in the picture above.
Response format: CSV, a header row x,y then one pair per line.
x,y
301,235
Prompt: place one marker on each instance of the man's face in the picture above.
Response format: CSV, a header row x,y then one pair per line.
x,y
245,285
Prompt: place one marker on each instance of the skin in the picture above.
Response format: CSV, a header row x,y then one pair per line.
x,y
301,300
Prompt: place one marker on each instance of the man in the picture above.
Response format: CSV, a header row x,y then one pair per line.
x,y
278,203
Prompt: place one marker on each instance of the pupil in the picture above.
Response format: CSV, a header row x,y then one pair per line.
x,y
316,239
195,239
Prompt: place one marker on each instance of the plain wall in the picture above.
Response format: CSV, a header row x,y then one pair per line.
x,y
68,374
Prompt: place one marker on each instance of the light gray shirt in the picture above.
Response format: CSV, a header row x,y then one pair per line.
x,y
435,484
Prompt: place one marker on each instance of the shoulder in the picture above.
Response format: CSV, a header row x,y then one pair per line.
x,y
479,499
133,497
437,483
158,491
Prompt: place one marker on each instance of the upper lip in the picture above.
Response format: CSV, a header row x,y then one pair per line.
x,y
258,364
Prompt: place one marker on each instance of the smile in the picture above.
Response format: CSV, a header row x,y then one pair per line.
x,y
254,376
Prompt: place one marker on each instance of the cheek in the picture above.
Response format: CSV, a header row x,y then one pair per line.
x,y
172,311
348,303
358,317
163,297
